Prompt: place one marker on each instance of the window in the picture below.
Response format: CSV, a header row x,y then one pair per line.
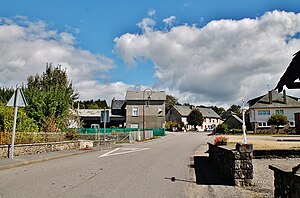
x,y
134,126
263,112
279,111
135,111
292,124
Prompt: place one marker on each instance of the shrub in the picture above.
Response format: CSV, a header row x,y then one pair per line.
x,y
222,129
72,135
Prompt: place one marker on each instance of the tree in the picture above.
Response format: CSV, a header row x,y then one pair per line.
x,y
91,104
170,101
236,109
49,98
24,123
5,95
218,110
195,118
277,120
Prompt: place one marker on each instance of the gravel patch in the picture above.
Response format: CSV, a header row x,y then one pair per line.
x,y
264,177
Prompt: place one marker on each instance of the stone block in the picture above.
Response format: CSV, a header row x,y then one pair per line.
x,y
244,148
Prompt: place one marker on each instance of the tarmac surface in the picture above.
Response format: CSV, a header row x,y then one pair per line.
x,y
204,181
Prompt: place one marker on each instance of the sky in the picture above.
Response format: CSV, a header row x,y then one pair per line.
x,y
203,52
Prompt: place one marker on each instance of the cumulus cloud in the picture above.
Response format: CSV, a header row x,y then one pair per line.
x,y
26,46
221,62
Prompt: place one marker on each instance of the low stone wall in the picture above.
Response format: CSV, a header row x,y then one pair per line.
x,y
234,165
29,149
287,183
276,153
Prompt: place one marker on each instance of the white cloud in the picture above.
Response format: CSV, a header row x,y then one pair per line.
x,y
221,62
151,12
169,21
27,46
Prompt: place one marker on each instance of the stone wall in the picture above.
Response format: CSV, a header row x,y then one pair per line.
x,y
29,149
287,183
234,165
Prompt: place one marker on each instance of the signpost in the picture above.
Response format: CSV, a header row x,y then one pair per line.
x,y
17,100
105,119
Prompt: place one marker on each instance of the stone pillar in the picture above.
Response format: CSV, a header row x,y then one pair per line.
x,y
243,174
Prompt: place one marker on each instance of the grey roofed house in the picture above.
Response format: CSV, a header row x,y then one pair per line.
x,y
145,109
234,122
208,112
263,107
274,99
138,95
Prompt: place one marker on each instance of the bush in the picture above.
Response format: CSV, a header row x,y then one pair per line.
x,y
72,135
222,129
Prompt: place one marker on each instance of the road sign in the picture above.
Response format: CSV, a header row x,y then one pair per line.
x,y
17,100
105,116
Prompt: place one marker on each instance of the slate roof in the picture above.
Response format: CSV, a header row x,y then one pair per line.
x,y
206,112
277,101
138,95
183,110
89,112
117,104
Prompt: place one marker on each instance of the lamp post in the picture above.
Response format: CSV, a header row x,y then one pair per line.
x,y
244,125
144,103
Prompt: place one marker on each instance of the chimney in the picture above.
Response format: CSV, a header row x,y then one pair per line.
x,y
270,97
284,97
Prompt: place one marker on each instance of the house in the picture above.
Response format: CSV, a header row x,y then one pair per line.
x,y
234,122
263,107
118,113
180,113
91,118
145,109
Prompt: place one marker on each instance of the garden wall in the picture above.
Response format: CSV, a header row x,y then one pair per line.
x,y
287,183
235,165
29,149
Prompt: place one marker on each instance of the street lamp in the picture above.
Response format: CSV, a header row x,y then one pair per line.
x,y
147,104
244,126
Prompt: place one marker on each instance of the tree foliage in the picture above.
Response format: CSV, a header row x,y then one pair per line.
x,y
24,123
218,110
277,120
5,95
91,104
236,109
222,129
195,118
49,97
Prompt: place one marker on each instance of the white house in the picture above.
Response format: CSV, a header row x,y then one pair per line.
x,y
180,113
263,107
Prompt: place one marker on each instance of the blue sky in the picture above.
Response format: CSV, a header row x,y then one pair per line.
x,y
106,39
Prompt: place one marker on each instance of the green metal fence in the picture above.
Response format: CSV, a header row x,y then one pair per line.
x,y
156,132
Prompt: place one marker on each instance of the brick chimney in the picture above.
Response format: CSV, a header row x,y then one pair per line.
x,y
284,97
270,97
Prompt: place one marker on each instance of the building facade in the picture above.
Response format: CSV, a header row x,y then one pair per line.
x,y
145,109
263,107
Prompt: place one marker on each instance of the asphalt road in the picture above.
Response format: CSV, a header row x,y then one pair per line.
x,y
134,170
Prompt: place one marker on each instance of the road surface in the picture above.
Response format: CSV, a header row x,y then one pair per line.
x,y
156,168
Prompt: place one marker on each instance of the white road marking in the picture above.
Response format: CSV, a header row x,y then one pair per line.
x,y
122,151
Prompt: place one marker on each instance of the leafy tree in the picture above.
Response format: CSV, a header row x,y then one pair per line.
x,y
277,120
195,118
5,95
91,104
236,109
24,123
49,97
171,124
170,101
218,110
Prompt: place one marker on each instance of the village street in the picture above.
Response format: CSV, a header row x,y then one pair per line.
x,y
133,170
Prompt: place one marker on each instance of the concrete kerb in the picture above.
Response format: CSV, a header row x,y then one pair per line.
x,y
37,158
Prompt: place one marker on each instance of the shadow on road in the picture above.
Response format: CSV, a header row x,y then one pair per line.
x,y
207,173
